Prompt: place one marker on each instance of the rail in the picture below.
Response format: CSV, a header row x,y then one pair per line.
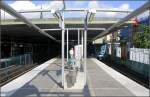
x,y
9,73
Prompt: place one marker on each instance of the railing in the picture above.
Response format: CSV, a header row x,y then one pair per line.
x,y
136,59
136,54
140,55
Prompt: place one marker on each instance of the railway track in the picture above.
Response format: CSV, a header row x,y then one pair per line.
x,y
139,78
10,73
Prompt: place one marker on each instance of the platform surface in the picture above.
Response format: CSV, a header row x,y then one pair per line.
x,y
47,83
102,84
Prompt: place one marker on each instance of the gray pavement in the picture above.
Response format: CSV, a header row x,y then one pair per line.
x,y
102,84
47,83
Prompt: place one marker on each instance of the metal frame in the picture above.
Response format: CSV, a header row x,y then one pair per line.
x,y
82,40
67,43
85,49
138,11
76,9
13,12
86,20
74,29
62,48
78,36
89,17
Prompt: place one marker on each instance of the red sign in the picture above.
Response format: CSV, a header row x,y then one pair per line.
x,y
135,22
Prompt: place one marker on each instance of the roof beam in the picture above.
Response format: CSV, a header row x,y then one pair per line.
x,y
74,9
14,13
138,11
97,10
74,29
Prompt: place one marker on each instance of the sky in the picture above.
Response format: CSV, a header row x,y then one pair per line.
x,y
48,4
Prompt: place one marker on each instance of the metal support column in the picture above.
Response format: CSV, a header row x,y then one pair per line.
x,y
62,48
67,45
85,48
78,36
82,43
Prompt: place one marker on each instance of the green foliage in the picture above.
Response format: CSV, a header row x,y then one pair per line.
x,y
142,39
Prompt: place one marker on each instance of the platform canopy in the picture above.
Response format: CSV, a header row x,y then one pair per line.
x,y
75,12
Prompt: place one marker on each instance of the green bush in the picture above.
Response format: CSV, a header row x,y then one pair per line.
x,y
142,39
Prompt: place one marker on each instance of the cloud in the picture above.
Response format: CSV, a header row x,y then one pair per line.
x,y
29,5
93,4
96,4
124,7
53,5
117,14
24,5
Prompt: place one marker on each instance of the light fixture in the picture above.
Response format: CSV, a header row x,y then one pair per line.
x,y
20,45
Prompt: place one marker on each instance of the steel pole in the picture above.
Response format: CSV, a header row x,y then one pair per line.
x,y
67,45
78,36
85,49
82,43
62,48
76,9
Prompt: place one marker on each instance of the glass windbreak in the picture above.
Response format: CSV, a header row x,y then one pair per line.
x,y
24,59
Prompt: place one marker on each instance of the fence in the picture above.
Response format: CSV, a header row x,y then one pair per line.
x,y
140,55
136,54
137,59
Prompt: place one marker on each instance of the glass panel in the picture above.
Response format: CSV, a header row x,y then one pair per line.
x,y
24,59
37,5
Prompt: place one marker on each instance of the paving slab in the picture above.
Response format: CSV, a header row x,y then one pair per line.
x,y
102,84
47,83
